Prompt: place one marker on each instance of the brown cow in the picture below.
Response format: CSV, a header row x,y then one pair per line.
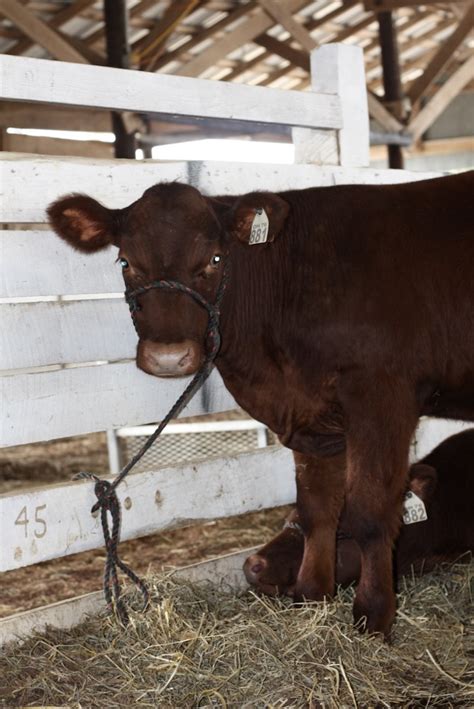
x,y
442,480
353,319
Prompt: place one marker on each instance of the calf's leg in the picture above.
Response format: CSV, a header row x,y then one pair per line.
x,y
320,496
381,423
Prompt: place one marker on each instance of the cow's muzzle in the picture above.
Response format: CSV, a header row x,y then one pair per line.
x,y
172,360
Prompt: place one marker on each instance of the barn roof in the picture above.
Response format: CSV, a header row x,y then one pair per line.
x,y
259,42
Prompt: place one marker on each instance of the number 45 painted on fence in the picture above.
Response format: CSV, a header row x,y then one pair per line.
x,y
40,524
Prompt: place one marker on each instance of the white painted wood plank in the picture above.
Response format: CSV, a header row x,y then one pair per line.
x,y
65,332
38,263
69,84
68,402
224,570
431,432
60,522
45,178
118,183
339,69
62,615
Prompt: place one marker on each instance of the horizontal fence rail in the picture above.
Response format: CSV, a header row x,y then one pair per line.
x,y
67,84
41,264
70,402
41,334
56,520
120,182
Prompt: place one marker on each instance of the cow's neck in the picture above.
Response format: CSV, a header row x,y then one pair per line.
x,y
254,360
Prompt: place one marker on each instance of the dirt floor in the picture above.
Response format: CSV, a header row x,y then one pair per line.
x,y
33,586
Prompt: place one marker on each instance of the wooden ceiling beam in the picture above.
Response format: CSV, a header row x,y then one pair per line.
x,y
257,22
387,5
348,31
382,115
99,34
248,34
283,16
205,34
60,18
246,66
296,57
149,48
312,24
40,32
442,98
422,40
416,17
419,87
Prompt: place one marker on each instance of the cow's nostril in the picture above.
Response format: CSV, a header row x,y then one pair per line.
x,y
186,360
253,568
171,360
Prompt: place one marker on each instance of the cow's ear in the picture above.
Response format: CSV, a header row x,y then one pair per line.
x,y
257,217
83,222
422,480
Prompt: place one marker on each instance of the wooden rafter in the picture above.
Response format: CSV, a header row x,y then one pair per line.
x,y
98,35
40,32
60,18
405,45
386,5
149,48
442,56
413,20
300,58
205,34
283,16
309,24
382,115
296,57
443,97
257,23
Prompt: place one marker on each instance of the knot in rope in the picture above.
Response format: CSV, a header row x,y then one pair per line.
x,y
107,501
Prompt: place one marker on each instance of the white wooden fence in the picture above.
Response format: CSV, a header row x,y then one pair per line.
x,y
67,365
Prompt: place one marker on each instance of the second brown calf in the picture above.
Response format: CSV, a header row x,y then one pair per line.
x,y
443,480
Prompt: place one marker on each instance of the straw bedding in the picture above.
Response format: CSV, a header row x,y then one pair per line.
x,y
202,646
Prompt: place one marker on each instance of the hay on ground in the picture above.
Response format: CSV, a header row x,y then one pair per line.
x,y
201,646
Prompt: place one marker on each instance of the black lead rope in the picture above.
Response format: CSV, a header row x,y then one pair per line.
x,y
105,491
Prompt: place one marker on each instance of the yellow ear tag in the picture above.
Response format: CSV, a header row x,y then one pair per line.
x,y
259,229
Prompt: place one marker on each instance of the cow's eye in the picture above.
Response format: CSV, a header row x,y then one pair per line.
x,y
123,262
215,260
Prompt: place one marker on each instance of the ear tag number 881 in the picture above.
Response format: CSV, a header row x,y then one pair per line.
x,y
259,228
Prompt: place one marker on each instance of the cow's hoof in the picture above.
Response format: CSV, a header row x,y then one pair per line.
x,y
375,616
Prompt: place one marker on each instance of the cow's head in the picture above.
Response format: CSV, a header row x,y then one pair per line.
x,y
172,232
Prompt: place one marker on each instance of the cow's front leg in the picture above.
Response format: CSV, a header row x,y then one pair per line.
x,y
381,423
320,496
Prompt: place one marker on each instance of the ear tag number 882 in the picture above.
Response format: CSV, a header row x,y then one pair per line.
x,y
414,509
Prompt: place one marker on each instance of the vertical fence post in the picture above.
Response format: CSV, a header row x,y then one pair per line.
x,y
338,69
115,459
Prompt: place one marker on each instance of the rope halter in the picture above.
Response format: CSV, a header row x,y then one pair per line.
x,y
105,491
